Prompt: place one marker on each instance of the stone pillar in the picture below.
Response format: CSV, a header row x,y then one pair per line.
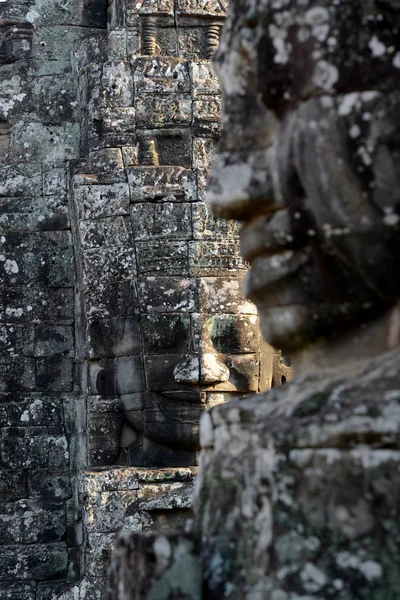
x,y
40,401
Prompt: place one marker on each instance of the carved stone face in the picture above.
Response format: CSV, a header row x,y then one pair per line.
x,y
168,331
201,346
310,159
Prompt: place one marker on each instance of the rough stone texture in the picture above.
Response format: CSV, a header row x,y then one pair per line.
x,y
309,473
39,133
125,500
297,492
310,480
40,405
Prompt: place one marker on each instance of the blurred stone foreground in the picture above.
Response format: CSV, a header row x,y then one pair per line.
x,y
300,493
297,496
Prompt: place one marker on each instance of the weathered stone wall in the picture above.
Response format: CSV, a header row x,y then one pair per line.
x,y
39,402
120,291
123,500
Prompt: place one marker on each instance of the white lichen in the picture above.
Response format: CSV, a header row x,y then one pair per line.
x,y
325,75
376,46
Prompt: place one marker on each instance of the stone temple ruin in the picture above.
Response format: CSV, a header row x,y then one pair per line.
x,y
297,496
122,316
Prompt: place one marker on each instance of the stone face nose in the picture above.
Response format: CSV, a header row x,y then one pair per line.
x,y
212,369
240,184
206,369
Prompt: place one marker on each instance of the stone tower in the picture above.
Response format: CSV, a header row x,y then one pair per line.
x,y
122,318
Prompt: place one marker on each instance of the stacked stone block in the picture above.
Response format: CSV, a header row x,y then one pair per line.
x,y
124,500
121,313
159,276
39,401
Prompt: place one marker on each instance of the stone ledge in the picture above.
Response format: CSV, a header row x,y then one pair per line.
x,y
128,478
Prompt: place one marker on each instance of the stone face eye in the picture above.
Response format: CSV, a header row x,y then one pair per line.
x,y
165,333
235,334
